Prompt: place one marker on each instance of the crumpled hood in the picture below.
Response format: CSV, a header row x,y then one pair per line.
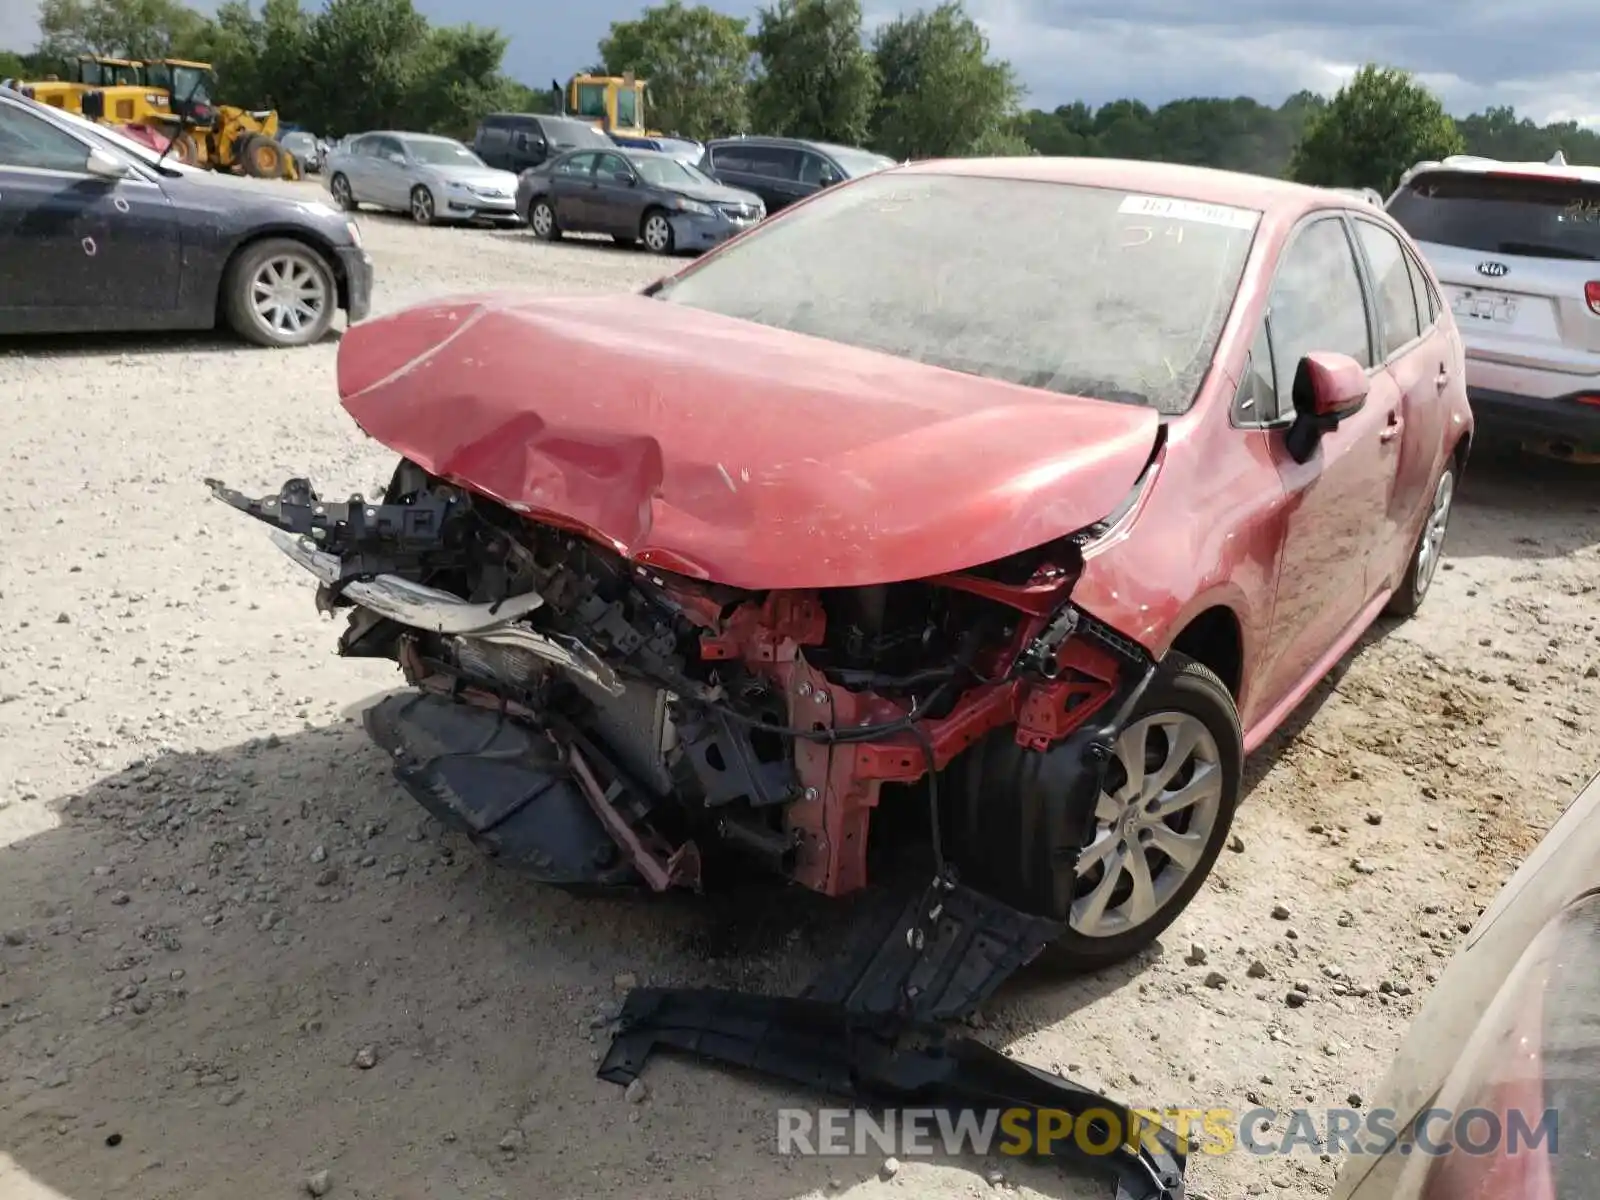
x,y
729,451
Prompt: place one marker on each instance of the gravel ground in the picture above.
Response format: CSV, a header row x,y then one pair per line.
x,y
234,956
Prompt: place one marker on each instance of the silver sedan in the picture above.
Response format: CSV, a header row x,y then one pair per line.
x,y
432,178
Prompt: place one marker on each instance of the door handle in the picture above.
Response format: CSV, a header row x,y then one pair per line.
x,y
1442,379
1393,429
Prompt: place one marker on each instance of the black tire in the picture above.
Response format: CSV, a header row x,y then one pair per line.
x,y
542,220
1428,549
339,189
1005,804
240,291
655,231
420,206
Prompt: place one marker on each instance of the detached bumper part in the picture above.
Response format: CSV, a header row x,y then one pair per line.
x,y
823,1046
505,785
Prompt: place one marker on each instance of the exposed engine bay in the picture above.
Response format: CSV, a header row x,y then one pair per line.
x,y
597,721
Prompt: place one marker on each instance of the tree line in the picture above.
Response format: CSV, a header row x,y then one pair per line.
x,y
923,85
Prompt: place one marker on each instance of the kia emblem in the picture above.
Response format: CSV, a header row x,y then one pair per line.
x,y
1492,269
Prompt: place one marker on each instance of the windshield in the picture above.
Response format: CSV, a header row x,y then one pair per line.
x,y
1079,290
1540,217
669,172
567,132
858,162
442,152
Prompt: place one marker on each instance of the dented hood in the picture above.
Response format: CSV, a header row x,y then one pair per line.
x,y
729,451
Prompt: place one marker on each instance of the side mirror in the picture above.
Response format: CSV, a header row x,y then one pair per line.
x,y
624,179
104,164
398,160
1327,388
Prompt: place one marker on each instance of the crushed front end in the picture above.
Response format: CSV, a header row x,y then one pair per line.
x,y
595,721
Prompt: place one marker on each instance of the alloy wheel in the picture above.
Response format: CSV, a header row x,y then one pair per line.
x,y
1431,547
541,219
1153,823
341,191
422,206
657,233
288,294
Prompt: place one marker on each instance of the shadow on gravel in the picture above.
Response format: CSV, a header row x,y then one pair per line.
x,y
143,344
195,958
1518,506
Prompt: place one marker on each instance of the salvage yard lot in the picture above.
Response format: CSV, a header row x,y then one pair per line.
x,y
234,949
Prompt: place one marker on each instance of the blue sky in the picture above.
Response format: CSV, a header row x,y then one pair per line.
x,y
1534,54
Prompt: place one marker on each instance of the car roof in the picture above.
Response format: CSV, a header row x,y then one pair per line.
x,y
1206,185
1473,164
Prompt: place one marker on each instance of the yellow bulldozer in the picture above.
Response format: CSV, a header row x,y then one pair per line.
x,y
222,137
121,80
171,100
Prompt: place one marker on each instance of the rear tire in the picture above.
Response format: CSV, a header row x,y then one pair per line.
x,y
1005,803
279,293
1429,548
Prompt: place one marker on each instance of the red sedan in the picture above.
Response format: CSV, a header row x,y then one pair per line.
x,y
1031,492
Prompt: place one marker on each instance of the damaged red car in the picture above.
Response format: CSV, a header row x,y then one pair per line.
x,y
1024,496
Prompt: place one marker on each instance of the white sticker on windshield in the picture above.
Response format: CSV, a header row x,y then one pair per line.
x,y
1187,210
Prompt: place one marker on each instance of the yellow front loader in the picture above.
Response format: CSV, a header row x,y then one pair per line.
x,y
221,137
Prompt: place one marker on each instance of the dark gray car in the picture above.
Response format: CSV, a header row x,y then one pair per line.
x,y
783,170
634,195
98,234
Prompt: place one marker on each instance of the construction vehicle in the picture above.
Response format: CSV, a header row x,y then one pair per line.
x,y
203,133
614,102
128,100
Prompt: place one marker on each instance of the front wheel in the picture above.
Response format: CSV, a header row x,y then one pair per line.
x,y
656,231
422,205
1160,821
542,220
339,187
279,292
1425,555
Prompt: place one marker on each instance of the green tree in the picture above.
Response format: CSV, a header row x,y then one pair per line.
x,y
941,95
695,60
815,78
361,64
119,28
1379,124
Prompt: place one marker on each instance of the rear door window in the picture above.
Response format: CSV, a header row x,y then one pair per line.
x,y
770,162
1427,302
1536,217
1391,281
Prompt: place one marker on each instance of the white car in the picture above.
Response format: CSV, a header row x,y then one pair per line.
x,y
432,178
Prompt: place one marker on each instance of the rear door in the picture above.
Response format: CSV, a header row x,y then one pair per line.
x,y
1416,355
1519,258
570,182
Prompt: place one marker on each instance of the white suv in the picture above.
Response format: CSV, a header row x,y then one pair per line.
x,y
1517,248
